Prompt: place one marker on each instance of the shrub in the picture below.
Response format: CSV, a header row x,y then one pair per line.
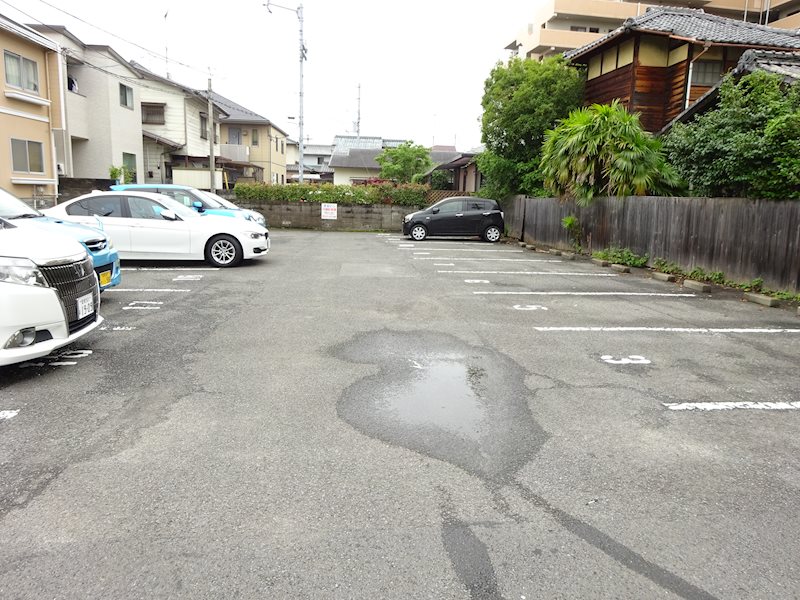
x,y
663,266
410,194
574,229
622,256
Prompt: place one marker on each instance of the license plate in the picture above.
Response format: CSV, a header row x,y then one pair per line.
x,y
85,306
105,277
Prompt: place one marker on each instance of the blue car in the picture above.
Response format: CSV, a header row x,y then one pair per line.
x,y
104,257
199,200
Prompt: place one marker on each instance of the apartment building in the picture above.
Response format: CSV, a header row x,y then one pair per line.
x,y
32,121
560,25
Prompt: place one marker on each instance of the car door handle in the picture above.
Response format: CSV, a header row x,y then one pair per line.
x,y
459,214
486,214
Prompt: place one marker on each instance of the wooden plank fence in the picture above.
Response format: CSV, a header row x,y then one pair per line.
x,y
744,239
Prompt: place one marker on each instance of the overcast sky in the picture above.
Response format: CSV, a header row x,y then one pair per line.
x,y
421,63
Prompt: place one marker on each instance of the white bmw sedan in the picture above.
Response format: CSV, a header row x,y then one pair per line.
x,y
147,226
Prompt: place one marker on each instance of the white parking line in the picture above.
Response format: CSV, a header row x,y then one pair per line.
x,y
148,290
149,305
6,415
536,260
443,265
566,273
475,250
188,278
588,294
170,269
667,330
709,406
117,328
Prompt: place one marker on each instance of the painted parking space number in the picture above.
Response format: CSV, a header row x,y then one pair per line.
x,y
633,359
529,307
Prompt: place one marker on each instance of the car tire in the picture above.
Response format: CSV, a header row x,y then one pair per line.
x,y
418,232
492,233
223,251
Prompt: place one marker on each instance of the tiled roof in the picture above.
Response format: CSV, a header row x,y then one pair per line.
x,y
236,112
785,64
695,24
358,158
342,144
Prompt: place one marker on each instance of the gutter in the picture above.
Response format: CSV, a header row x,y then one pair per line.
x,y
706,48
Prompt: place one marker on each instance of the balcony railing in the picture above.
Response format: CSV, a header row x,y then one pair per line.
x,y
235,152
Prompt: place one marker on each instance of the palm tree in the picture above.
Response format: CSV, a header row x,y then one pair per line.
x,y
602,150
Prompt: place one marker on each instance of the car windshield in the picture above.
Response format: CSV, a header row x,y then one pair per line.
x,y
219,199
12,207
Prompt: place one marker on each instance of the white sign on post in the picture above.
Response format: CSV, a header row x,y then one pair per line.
x,y
329,210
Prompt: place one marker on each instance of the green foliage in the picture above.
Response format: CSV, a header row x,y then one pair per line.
x,y
749,146
574,229
410,194
405,161
121,174
664,266
440,180
602,150
621,256
522,100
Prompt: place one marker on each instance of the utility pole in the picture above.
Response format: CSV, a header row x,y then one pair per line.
x,y
303,51
211,130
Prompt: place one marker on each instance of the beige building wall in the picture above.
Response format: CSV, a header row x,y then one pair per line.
x,y
30,115
346,175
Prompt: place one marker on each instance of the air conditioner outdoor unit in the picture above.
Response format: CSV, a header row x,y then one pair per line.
x,y
60,169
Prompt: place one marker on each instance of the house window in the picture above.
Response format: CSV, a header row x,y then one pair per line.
x,y
576,28
203,126
706,72
21,72
153,113
255,137
27,156
125,96
594,30
283,180
276,144
283,147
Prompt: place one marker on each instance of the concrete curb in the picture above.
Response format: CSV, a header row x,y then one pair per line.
x,y
761,299
663,276
621,268
555,252
568,255
697,286
521,244
600,262
530,247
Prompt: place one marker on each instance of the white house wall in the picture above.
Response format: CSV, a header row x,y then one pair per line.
x,y
196,145
174,127
345,175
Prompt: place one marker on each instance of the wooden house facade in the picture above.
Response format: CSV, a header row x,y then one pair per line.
x,y
658,64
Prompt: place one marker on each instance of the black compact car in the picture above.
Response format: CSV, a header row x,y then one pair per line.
x,y
457,216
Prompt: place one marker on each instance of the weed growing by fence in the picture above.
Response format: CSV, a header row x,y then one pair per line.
x,y
622,256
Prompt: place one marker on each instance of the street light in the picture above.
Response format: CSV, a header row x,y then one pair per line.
x,y
299,12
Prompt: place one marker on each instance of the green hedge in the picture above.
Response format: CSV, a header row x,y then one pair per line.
x,y
409,194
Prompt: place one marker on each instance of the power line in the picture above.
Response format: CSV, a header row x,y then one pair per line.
x,y
148,50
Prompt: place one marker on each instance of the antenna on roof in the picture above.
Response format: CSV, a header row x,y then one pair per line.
x,y
166,45
357,124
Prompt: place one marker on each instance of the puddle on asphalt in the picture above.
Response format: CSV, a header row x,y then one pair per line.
x,y
438,396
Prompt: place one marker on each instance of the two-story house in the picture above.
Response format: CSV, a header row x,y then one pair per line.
x,y
316,162
661,62
561,25
253,148
103,109
175,132
32,120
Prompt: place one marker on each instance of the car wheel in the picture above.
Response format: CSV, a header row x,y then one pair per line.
x,y
223,251
492,233
419,233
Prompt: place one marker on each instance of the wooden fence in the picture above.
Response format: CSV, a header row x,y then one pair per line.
x,y
745,239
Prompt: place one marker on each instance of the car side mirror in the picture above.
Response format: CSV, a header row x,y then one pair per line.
x,y
198,206
435,211
169,215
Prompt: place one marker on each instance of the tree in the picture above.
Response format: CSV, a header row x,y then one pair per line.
x,y
749,146
522,100
603,150
404,161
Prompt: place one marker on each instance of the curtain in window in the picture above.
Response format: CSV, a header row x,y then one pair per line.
x,y
19,155
31,75
35,157
13,75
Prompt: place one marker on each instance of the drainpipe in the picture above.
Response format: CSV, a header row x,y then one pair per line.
x,y
62,100
706,48
766,12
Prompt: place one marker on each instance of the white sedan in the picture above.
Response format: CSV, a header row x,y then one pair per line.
x,y
147,226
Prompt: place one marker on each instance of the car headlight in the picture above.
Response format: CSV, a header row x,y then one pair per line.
x,y
110,242
21,271
406,219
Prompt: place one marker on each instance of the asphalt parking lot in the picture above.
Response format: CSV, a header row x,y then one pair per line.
x,y
362,416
